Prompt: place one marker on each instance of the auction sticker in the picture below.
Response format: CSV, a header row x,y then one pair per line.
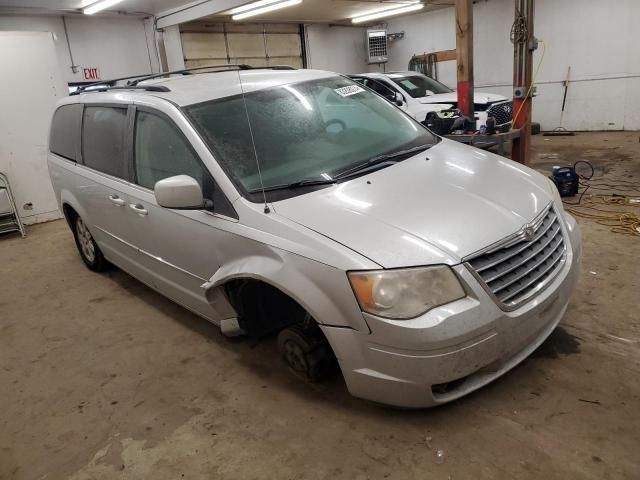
x,y
348,91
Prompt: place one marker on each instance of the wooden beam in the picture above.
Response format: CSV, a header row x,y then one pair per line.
x,y
464,55
523,47
440,56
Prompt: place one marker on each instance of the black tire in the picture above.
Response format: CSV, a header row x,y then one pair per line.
x,y
87,247
306,353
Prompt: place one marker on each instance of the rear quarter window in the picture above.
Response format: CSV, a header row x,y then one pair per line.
x,y
103,139
64,138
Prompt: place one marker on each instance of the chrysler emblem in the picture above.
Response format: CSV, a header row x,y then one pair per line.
x,y
528,232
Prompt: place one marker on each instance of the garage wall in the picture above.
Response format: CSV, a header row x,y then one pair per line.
x,y
338,49
30,86
117,46
595,38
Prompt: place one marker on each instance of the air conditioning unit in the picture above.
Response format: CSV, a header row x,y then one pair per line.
x,y
377,46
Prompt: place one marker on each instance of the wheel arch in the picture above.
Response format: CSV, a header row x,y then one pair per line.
x,y
322,291
70,205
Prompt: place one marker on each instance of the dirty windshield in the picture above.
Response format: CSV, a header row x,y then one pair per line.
x,y
303,131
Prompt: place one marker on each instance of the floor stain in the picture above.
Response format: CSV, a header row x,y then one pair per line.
x,y
560,342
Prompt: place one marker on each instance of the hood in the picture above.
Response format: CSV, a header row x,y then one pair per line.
x,y
452,97
436,207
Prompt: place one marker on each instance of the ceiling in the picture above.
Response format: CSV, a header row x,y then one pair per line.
x,y
63,6
309,11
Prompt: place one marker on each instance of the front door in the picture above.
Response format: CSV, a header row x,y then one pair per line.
x,y
180,248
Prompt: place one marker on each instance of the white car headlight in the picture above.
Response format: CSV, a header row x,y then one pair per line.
x,y
405,293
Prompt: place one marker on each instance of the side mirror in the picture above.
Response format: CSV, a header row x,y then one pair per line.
x,y
428,92
179,192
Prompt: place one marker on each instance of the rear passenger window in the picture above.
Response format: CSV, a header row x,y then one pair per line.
x,y
103,139
65,131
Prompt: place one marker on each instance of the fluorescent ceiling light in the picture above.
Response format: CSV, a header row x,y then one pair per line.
x,y
270,7
101,5
252,5
387,13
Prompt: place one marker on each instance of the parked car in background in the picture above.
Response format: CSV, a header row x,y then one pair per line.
x,y
419,94
297,203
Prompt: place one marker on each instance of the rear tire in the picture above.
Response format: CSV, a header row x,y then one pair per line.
x,y
87,247
306,353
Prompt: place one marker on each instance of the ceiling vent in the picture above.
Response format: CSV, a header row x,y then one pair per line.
x,y
377,46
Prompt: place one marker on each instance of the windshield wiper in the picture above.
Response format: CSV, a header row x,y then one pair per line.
x,y
378,160
387,157
307,182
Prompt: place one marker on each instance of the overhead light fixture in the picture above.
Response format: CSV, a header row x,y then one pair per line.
x,y
387,13
252,5
98,6
262,6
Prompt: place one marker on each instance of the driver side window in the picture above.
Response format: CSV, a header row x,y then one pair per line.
x,y
161,152
379,88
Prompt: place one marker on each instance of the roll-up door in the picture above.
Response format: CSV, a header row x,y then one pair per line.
x,y
253,44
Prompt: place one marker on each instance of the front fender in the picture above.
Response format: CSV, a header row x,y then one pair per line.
x,y
323,291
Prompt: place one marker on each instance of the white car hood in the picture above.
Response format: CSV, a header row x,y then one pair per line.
x,y
436,207
452,97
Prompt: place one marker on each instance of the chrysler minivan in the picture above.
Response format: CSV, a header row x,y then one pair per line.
x,y
302,204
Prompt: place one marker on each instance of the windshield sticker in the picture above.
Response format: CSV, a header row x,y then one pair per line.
x,y
348,91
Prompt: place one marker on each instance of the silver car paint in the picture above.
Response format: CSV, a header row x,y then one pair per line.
x,y
453,199
433,208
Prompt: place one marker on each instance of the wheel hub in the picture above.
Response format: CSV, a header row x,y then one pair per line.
x,y
294,356
85,240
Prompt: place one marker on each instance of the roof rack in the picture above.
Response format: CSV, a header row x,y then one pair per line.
x,y
133,80
148,88
222,68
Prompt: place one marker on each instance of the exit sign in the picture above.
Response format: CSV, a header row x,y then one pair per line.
x,y
91,73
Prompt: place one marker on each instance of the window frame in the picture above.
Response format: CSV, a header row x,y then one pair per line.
x,y
126,140
133,111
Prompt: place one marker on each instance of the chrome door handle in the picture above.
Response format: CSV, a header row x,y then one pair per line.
x,y
139,209
116,200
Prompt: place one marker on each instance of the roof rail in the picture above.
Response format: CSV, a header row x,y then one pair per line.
x,y
220,68
148,88
133,80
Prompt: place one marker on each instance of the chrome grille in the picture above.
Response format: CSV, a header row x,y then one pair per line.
x,y
518,267
502,112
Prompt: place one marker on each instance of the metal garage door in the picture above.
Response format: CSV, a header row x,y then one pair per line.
x,y
253,44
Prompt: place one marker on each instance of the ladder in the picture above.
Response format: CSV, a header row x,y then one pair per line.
x,y
9,218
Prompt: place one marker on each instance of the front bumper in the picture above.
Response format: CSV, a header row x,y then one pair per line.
x,y
454,349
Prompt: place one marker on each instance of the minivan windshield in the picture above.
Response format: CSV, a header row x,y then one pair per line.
x,y
418,84
305,133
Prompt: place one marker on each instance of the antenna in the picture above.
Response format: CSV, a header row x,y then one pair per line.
x,y
253,144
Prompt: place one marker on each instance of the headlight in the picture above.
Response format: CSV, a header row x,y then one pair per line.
x,y
405,293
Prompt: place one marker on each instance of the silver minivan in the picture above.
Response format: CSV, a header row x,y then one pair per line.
x,y
299,203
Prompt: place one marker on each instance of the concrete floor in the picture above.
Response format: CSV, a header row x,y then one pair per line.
x,y
100,378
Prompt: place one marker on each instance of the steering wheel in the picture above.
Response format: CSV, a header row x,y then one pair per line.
x,y
335,121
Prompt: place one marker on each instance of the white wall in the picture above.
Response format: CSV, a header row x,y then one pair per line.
x,y
338,49
597,39
118,46
30,85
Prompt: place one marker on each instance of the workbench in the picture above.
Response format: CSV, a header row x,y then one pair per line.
x,y
485,141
